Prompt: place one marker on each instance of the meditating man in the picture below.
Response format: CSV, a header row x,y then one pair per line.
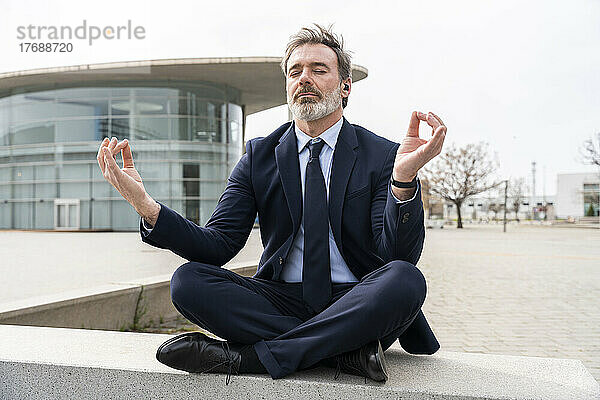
x,y
341,221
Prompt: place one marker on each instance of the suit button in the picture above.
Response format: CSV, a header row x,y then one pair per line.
x,y
405,217
280,260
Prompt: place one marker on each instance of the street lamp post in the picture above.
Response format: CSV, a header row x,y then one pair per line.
x,y
505,200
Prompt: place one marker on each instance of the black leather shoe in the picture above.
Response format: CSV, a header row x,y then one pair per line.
x,y
368,361
196,352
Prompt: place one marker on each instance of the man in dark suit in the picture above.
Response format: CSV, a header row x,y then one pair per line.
x,y
341,221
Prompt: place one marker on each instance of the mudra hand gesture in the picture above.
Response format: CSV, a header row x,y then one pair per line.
x,y
414,152
126,180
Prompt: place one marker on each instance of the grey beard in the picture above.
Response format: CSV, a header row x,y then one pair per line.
x,y
311,111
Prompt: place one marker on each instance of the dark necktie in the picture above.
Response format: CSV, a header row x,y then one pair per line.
x,y
316,271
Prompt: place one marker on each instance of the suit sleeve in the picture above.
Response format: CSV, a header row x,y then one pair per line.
x,y
398,228
225,233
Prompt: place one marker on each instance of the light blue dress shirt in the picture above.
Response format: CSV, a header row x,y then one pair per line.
x,y
292,269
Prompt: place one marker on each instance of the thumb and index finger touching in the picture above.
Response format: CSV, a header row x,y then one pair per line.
x,y
434,145
432,120
126,153
108,150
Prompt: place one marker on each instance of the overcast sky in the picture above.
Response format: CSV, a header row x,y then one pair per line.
x,y
521,75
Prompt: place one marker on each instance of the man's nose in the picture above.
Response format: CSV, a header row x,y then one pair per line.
x,y
306,78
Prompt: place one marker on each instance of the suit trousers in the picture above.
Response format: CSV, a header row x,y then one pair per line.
x,y
286,333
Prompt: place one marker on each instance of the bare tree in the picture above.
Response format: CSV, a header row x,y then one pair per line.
x,y
516,194
495,208
460,173
590,150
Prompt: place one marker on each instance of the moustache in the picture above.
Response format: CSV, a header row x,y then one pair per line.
x,y
310,91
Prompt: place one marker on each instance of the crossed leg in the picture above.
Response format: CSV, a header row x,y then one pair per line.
x,y
236,308
287,335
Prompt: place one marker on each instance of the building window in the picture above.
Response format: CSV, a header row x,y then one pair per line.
x,y
191,192
591,200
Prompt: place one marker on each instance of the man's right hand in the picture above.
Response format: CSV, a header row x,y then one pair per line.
x,y
126,180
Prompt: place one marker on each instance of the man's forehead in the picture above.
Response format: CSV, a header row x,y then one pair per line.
x,y
313,53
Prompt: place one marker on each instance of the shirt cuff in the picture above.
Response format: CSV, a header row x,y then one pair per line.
x,y
146,226
403,201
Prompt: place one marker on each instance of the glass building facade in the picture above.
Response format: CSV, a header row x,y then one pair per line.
x,y
186,138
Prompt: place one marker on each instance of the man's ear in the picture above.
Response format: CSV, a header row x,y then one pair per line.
x,y
346,87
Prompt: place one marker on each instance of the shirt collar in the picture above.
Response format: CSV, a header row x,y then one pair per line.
x,y
330,136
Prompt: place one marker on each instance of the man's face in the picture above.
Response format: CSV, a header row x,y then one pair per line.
x,y
312,82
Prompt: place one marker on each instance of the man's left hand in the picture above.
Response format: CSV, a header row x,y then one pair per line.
x,y
415,152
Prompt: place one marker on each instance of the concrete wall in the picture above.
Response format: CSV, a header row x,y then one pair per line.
x,y
118,306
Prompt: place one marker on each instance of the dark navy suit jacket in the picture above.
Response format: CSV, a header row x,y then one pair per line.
x,y
370,228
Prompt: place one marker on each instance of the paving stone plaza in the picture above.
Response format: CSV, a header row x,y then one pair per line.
x,y
532,291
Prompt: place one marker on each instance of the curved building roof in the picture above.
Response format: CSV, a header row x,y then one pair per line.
x,y
259,79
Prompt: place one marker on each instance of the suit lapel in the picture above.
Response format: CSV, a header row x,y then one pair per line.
x,y
344,158
288,166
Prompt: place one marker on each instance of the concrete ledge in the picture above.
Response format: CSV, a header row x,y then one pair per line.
x,y
51,363
117,306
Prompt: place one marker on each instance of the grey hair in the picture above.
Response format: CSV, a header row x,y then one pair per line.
x,y
321,35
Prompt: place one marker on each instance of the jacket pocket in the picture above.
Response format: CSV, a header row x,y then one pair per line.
x,y
358,192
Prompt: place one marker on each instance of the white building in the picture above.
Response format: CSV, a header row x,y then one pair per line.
x,y
578,195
